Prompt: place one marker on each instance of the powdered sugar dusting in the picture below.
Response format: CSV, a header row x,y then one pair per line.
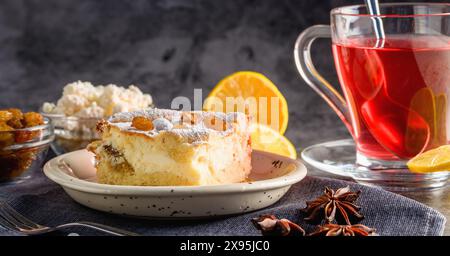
x,y
195,126
162,124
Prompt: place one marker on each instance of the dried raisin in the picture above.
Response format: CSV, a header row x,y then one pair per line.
x,y
142,123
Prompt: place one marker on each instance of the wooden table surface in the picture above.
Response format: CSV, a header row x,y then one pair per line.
x,y
438,199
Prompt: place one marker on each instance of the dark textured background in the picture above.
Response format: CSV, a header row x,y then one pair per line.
x,y
166,47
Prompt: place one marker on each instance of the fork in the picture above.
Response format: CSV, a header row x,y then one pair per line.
x,y
14,221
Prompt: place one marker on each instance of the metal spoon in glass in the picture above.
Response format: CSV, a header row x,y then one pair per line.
x,y
374,9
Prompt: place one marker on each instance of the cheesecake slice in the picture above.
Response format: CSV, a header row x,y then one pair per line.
x,y
159,147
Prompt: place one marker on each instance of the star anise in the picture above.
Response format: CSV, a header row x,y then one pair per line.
x,y
333,205
343,230
270,225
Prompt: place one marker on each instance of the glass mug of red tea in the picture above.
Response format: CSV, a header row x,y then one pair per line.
x,y
396,87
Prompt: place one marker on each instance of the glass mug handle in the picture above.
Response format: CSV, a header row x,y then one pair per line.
x,y
305,66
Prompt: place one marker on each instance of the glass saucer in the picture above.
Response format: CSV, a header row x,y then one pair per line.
x,y
339,157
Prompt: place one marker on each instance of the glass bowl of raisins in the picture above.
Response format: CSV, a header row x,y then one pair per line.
x,y
24,141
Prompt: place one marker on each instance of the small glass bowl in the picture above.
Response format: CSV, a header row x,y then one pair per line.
x,y
23,150
72,133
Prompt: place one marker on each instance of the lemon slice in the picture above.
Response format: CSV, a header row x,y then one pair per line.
x,y
440,137
266,139
251,93
434,160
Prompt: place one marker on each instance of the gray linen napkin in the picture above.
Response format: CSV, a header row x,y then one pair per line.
x,y
390,214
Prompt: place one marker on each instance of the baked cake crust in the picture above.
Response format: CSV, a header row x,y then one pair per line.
x,y
179,148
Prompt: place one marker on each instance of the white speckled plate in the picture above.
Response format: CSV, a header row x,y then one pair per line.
x,y
271,176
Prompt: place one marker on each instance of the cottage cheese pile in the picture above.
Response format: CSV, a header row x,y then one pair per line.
x,y
82,99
